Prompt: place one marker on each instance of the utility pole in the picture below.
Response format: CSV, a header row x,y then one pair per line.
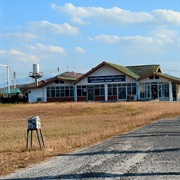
x,y
8,77
14,79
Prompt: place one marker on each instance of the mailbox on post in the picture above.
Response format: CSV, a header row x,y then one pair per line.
x,y
34,123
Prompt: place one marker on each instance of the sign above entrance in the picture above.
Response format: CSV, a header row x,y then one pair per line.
x,y
99,79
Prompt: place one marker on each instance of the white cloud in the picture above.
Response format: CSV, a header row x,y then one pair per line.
x,y
165,34
160,41
16,52
47,27
158,36
19,56
31,47
47,49
107,38
79,50
32,54
118,15
22,36
167,16
51,48
78,20
3,51
75,11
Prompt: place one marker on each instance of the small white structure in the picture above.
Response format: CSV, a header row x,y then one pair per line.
x,y
34,123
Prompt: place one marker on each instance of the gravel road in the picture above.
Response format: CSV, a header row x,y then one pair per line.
x,y
149,153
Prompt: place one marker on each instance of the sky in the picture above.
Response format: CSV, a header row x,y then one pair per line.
x,y
77,35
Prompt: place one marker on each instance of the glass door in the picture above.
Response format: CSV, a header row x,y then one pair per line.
x,y
90,94
148,91
122,95
160,90
154,91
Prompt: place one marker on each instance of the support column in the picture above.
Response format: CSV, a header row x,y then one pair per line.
x,y
177,92
170,91
106,92
44,95
75,93
137,90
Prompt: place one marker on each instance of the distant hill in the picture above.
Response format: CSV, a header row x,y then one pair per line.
x,y
27,80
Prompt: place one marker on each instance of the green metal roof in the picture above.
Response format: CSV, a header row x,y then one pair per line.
x,y
144,70
141,71
67,78
172,78
12,91
124,70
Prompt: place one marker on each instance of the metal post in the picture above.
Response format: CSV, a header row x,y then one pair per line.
x,y
38,139
8,77
42,138
31,137
27,139
8,80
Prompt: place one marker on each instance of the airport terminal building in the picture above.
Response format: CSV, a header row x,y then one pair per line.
x,y
109,82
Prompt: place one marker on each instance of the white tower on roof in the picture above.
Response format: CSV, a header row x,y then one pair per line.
x,y
36,74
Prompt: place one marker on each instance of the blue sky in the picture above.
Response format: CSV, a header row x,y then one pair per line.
x,y
77,35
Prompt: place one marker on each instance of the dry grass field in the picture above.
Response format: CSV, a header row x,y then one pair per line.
x,y
68,126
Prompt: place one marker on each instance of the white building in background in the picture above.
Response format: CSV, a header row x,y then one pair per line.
x,y
109,82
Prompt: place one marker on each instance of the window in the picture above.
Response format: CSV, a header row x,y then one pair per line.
x,y
67,91
59,91
151,77
97,93
112,89
133,89
84,90
71,91
48,92
52,91
102,93
81,90
156,77
62,92
166,90
56,81
97,90
129,90
59,82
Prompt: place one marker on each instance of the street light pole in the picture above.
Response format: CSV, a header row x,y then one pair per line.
x,y
8,77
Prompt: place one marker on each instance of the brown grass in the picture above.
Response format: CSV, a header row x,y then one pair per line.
x,y
68,126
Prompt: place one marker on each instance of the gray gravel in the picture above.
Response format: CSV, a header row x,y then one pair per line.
x,y
149,153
